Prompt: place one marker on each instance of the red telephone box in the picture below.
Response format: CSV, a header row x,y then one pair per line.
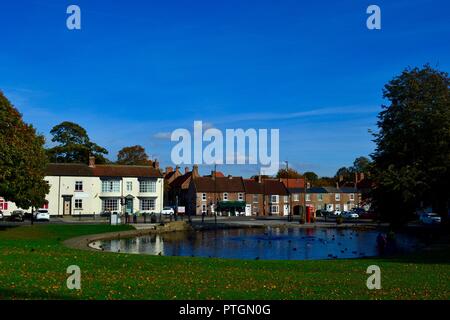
x,y
309,213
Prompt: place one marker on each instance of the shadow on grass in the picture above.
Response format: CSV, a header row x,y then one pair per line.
x,y
12,294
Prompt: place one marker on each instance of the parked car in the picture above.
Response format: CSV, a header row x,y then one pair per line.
x,y
337,212
359,211
42,215
350,215
1,215
17,215
430,218
167,211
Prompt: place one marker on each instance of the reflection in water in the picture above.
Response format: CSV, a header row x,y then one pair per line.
x,y
269,243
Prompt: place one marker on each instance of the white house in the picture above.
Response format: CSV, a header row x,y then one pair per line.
x,y
91,189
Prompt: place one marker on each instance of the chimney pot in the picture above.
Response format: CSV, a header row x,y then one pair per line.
x,y
92,161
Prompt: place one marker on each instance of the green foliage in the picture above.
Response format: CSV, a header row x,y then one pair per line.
x,y
311,176
134,155
22,159
412,158
74,145
288,173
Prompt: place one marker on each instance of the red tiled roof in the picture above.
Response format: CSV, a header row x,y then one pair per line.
x,y
275,187
178,181
77,169
219,184
294,182
253,187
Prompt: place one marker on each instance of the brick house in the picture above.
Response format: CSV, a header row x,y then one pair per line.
x,y
332,198
266,197
227,192
178,187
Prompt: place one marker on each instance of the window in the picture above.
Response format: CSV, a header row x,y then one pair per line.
x,y
129,186
240,196
286,198
308,197
110,205
147,186
352,197
255,198
78,185
110,186
3,204
319,207
320,197
337,197
255,210
296,197
78,203
225,196
274,198
147,204
203,196
338,206
274,209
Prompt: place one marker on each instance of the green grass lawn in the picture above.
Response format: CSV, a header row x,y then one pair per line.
x,y
33,263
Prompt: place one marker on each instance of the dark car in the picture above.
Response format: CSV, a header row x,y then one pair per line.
x,y
105,214
17,215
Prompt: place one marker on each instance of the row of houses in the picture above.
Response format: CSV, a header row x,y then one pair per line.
x,y
86,189
80,189
201,195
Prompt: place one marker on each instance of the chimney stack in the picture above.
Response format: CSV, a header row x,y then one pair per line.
x,y
91,161
259,179
186,170
195,171
169,169
156,164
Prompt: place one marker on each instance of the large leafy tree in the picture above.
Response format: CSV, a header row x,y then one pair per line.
x,y
74,145
22,159
311,177
412,159
134,155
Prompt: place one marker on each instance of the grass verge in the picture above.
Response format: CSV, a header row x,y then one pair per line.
x,y
33,265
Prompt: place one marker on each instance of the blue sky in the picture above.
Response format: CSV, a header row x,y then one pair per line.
x,y
137,70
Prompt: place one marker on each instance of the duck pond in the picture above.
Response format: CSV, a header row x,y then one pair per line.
x,y
270,243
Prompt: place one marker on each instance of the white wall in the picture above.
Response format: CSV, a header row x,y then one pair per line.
x,y
92,194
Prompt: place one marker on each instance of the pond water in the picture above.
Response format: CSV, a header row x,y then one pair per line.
x,y
262,243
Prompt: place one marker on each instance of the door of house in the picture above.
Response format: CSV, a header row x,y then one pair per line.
x,y
286,210
248,210
67,206
129,205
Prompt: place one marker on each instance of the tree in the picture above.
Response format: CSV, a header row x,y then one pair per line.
x,y
22,159
74,145
361,165
289,173
344,174
134,155
411,165
311,176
